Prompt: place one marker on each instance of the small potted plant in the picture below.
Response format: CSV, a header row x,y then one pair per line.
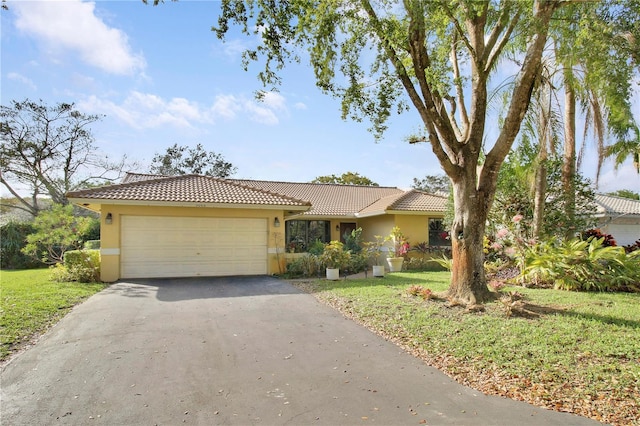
x,y
399,250
334,257
374,249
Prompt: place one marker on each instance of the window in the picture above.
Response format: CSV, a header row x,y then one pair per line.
x,y
300,234
438,236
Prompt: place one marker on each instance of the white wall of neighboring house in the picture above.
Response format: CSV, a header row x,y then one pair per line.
x,y
619,217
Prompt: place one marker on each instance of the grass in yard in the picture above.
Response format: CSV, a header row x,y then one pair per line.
x,y
567,351
30,303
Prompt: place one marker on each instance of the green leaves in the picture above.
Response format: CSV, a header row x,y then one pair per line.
x,y
583,265
56,231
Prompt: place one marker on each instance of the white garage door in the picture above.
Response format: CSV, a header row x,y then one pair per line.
x,y
153,246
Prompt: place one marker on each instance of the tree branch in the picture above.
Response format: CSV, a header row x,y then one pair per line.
x,y
521,94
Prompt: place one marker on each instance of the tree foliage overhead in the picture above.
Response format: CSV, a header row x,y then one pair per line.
x,y
49,151
182,160
348,178
432,184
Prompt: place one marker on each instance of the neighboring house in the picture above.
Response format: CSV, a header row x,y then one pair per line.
x,y
619,217
192,225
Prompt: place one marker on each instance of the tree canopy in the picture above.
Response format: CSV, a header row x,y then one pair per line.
x,y
50,150
182,160
348,178
432,184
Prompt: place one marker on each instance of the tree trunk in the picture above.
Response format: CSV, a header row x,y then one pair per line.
x,y
539,195
569,162
468,283
540,183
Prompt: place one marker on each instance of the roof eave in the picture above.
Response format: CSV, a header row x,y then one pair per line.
x,y
88,202
416,212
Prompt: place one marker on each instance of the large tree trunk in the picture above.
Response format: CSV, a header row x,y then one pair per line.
x,y
468,283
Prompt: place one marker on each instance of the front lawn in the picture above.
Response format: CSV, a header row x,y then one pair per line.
x,y
31,303
567,351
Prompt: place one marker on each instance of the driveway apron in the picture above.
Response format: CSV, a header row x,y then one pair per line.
x,y
250,350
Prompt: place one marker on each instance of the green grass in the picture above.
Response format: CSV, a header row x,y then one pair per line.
x,y
30,303
568,351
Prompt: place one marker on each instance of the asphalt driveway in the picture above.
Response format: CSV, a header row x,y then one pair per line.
x,y
233,351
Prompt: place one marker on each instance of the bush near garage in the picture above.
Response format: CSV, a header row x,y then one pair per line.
x,y
79,265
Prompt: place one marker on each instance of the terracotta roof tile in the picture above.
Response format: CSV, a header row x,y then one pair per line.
x,y
419,201
187,189
327,199
139,177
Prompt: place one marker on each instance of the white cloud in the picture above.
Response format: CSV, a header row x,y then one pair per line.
x,y
22,79
226,106
145,110
275,101
234,48
73,26
300,106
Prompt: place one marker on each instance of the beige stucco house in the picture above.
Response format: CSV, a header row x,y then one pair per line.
x,y
191,225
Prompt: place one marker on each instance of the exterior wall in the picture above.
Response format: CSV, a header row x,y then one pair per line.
x,y
376,225
110,233
414,227
625,230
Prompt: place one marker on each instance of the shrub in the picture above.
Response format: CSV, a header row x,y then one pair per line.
x,y
335,255
358,262
305,266
316,248
13,238
632,247
79,265
583,265
56,231
608,240
353,241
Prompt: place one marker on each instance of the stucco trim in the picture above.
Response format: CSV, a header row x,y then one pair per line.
x,y
110,252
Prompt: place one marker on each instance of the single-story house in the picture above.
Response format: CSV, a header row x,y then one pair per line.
x,y
192,225
619,217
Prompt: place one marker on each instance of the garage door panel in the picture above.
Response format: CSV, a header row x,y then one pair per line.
x,y
186,246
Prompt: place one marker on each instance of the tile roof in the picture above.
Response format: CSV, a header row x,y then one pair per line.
x,y
139,177
186,189
328,199
409,201
325,200
419,201
611,205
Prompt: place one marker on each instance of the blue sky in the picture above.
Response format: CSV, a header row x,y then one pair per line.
x,y
162,77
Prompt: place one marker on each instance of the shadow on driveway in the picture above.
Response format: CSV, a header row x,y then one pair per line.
x,y
178,289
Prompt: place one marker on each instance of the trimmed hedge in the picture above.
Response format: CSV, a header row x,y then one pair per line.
x,y
79,265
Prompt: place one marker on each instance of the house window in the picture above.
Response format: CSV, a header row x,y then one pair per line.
x,y
301,234
438,236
